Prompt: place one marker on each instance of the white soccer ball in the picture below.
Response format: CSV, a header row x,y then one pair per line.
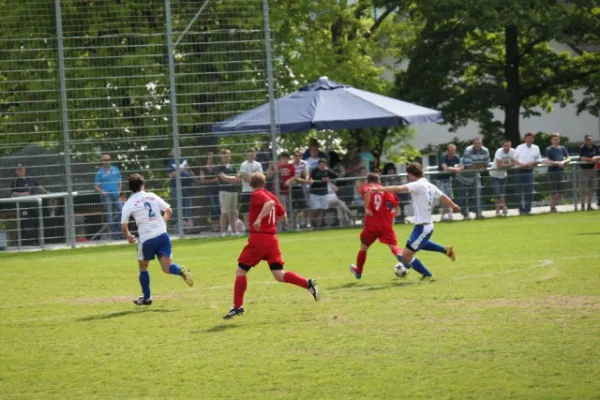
x,y
400,270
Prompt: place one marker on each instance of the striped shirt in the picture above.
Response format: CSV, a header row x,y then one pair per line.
x,y
472,157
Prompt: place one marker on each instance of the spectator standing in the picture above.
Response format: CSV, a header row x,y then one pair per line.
x,y
228,194
589,155
527,157
301,179
557,157
598,182
313,155
264,155
287,175
20,186
476,158
109,185
187,186
449,166
390,178
366,156
318,201
248,167
358,183
503,160
208,177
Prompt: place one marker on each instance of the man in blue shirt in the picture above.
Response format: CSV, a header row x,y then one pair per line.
x,y
108,184
476,159
557,157
449,165
589,154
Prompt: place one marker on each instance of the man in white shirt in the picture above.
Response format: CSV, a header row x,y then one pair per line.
x,y
146,208
527,156
503,160
248,167
423,194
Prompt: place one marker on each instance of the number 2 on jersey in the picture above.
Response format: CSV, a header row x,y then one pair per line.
x,y
151,213
378,201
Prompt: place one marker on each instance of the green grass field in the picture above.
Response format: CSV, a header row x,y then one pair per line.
x,y
517,316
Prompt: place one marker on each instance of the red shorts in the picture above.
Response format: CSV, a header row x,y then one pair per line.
x,y
385,236
261,247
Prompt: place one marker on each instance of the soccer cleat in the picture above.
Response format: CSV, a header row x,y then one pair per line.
x,y
186,275
450,252
140,301
425,279
233,312
355,272
313,289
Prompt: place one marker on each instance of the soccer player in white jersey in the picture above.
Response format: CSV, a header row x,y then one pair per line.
x,y
146,209
422,193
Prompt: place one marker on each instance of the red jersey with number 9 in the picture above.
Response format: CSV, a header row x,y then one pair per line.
x,y
382,217
269,222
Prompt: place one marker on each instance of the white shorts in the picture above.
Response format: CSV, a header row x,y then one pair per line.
x,y
228,202
316,202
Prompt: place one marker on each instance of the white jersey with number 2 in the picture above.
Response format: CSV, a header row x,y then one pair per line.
x,y
146,208
423,194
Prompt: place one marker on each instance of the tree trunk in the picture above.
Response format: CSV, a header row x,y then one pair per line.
x,y
512,107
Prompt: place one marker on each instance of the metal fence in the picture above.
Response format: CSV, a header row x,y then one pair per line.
x,y
139,84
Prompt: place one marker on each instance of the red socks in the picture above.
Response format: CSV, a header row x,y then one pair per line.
x,y
239,288
361,258
295,279
396,250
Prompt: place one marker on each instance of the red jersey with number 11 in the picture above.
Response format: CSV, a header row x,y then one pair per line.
x,y
382,217
269,222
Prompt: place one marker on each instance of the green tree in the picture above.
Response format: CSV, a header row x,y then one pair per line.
x,y
472,57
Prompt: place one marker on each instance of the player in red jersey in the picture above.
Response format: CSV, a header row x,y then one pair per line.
x,y
265,212
379,223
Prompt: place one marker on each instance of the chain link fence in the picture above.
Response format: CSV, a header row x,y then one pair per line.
x,y
91,92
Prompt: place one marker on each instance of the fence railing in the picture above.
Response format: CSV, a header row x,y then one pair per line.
x,y
480,194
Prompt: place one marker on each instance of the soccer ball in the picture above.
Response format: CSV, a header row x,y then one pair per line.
x,y
400,270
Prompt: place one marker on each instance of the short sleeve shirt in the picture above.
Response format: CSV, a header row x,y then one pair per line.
x,y
590,152
269,223
146,209
505,159
318,187
450,162
24,185
247,169
559,153
227,170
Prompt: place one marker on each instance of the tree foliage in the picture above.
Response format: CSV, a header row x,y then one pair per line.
x,y
470,58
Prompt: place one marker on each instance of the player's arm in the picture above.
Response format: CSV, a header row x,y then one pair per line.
x,y
391,189
168,213
266,210
448,203
367,202
125,214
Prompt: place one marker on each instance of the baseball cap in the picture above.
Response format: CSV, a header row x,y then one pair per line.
x,y
588,137
19,165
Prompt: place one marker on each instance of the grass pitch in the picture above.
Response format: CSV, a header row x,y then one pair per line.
x,y
517,316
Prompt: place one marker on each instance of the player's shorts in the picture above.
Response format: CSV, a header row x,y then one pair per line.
x,y
419,236
386,236
261,247
156,247
245,206
298,199
228,202
317,202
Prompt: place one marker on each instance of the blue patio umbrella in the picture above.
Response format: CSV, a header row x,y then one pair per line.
x,y
326,104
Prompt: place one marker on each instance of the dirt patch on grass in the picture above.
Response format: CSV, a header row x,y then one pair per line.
x,y
114,299
586,302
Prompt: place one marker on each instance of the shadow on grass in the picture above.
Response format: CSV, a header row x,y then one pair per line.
x,y
366,286
123,314
219,328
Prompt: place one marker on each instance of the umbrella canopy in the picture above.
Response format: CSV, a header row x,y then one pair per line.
x,y
326,104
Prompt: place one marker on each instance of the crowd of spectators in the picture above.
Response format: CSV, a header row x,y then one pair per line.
x,y
312,182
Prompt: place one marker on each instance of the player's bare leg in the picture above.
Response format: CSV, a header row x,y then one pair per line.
x,y
239,289
168,267
410,261
294,279
145,299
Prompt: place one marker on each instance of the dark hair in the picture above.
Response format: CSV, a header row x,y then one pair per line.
x,y
136,182
528,134
322,160
387,167
415,169
251,150
373,178
506,141
285,154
